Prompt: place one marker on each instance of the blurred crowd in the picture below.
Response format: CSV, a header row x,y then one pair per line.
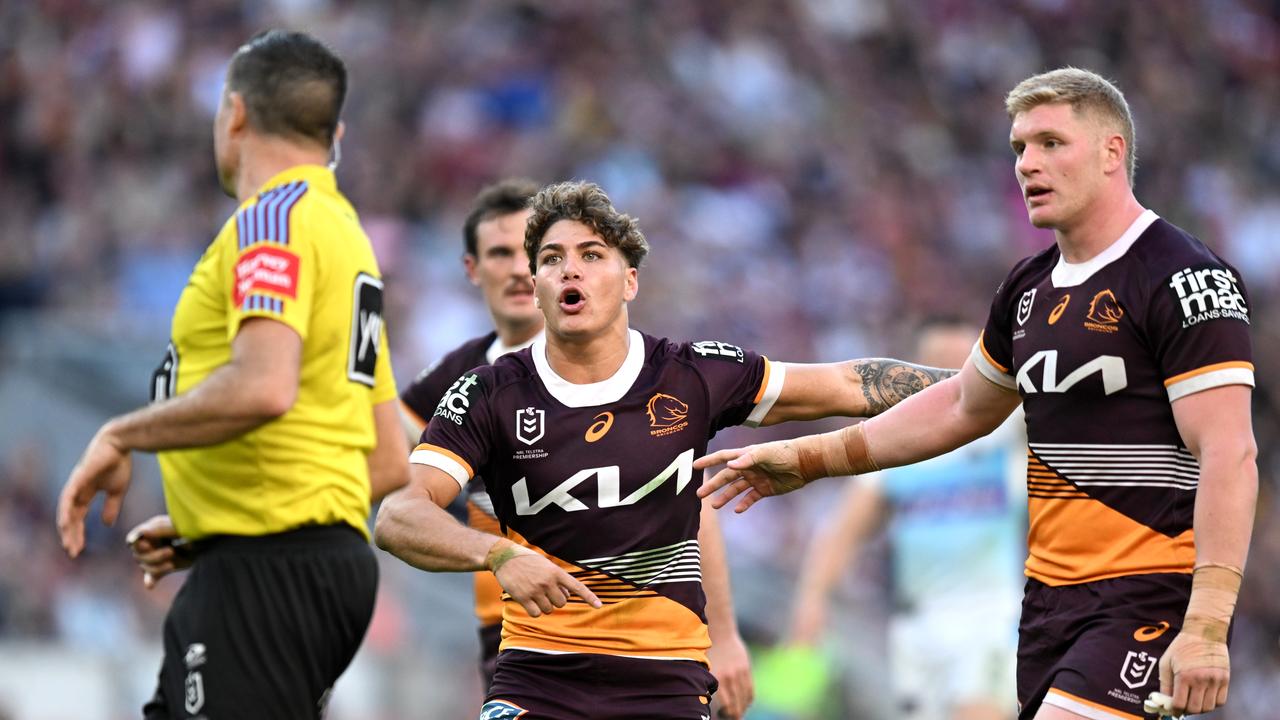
x,y
814,176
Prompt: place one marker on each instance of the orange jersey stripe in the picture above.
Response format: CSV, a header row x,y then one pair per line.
x,y
633,622
1236,364
449,454
764,382
983,347
1105,543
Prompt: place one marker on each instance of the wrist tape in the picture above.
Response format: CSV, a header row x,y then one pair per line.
x,y
500,552
1214,588
834,454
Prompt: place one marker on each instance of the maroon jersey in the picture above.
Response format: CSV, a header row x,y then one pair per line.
x,y
424,393
1098,351
420,400
599,478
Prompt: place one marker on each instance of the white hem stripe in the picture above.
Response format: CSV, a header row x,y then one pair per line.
x,y
989,371
1079,708
443,462
1210,380
777,375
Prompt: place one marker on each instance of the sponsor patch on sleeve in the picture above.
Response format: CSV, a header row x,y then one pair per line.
x,y
717,349
269,269
1207,292
457,399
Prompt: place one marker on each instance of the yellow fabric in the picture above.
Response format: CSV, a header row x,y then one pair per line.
x,y
308,466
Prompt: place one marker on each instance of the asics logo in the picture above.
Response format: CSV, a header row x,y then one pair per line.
x,y
1147,633
600,427
1060,308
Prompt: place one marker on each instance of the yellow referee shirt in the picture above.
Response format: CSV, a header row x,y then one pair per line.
x,y
294,253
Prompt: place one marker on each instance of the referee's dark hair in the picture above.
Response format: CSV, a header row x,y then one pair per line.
x,y
292,85
501,198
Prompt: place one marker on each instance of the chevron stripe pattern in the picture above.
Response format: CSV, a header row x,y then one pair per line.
x,y
1100,465
680,562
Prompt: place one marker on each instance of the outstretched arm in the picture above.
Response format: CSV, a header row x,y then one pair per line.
x,y
855,388
935,421
413,525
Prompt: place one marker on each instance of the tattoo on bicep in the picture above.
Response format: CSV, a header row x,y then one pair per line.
x,y
887,382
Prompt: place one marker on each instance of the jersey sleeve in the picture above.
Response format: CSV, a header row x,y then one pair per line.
x,y
993,353
275,264
742,386
459,436
1198,325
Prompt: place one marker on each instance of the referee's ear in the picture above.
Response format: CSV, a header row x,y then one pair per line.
x,y
237,114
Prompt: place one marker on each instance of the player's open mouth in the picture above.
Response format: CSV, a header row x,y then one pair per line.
x,y
572,300
1035,192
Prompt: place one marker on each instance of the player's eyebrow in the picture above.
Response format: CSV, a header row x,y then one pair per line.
x,y
1038,135
590,242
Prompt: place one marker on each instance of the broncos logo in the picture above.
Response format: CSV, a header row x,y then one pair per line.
x,y
1105,309
666,410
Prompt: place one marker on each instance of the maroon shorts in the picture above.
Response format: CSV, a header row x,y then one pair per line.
x,y
585,686
1093,648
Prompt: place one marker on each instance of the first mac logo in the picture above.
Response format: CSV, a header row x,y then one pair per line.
x,y
1207,292
457,399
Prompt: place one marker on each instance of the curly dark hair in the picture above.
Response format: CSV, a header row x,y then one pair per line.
x,y
588,204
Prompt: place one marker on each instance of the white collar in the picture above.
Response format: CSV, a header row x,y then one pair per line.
x,y
497,349
1067,274
609,390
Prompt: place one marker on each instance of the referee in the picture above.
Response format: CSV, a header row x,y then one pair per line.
x,y
274,414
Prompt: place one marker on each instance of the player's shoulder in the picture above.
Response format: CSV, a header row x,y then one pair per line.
x,y
1165,249
447,367
697,352
511,368
1029,272
469,354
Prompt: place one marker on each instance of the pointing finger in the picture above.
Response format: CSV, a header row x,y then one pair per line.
x,y
573,585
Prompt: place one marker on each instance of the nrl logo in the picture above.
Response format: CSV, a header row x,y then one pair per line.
x,y
530,425
1137,668
1024,306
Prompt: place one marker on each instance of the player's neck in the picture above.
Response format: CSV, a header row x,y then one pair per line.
x,y
1101,226
264,157
589,360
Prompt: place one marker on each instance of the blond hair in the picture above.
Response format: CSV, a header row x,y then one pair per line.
x,y
1083,90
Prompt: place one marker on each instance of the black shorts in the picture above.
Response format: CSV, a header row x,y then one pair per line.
x,y
263,626
1093,648
586,686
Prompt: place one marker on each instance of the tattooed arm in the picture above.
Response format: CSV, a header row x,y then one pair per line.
x,y
856,388
943,417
